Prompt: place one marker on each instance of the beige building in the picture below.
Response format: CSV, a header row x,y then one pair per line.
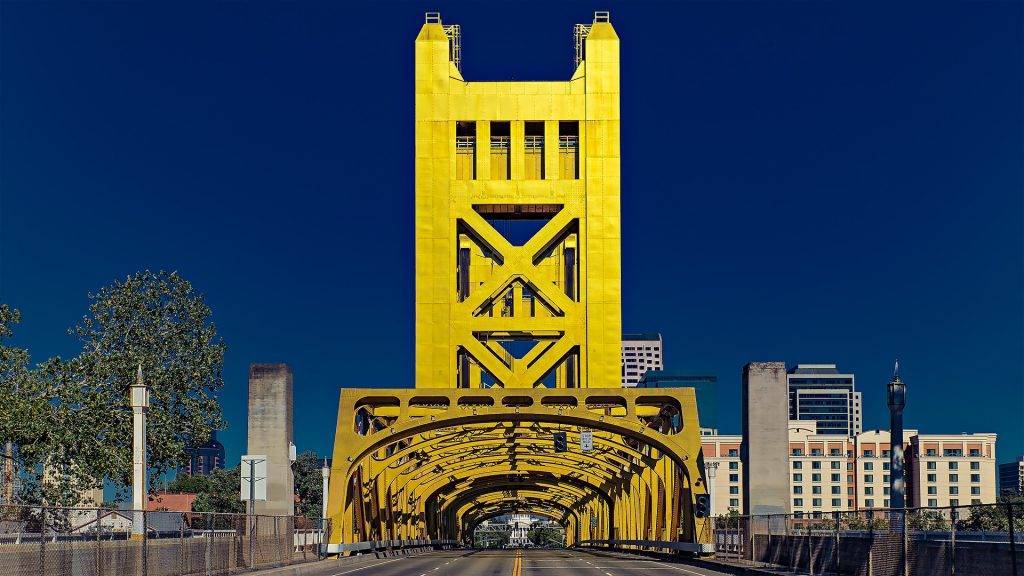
x,y
833,472
724,471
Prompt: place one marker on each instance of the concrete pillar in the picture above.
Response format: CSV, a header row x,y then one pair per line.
x,y
270,433
765,451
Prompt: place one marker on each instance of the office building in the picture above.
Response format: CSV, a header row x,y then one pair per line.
x,y
833,472
703,383
205,459
1011,477
819,392
640,353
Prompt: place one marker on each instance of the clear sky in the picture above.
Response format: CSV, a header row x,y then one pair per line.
x,y
805,182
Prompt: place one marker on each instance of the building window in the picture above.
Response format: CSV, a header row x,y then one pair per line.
x,y
836,465
815,489
815,477
734,465
954,490
816,502
869,503
975,490
868,478
869,466
975,465
885,465
465,150
734,502
734,477
798,477
869,490
797,465
931,465
885,491
933,490
954,502
835,478
533,153
734,489
954,465
734,452
974,452
568,150
869,453
501,157
815,451
975,477
798,489
837,502
953,452
931,477
932,502
798,452
885,478
816,465
954,477
798,502
837,490
930,452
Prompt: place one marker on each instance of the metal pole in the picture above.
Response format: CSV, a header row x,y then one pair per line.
x,y
1013,537
952,541
252,506
140,402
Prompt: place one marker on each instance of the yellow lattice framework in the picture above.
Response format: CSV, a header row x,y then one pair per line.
x,y
518,327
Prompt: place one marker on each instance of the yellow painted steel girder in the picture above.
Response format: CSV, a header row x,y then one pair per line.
x,y
517,337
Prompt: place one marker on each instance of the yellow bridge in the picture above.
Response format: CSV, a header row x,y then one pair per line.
x,y
518,329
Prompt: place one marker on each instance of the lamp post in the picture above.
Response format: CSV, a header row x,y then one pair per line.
x,y
897,401
140,404
711,469
326,473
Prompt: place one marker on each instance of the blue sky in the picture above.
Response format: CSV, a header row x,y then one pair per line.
x,y
807,182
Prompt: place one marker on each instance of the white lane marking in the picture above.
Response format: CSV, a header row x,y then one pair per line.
x,y
367,566
685,570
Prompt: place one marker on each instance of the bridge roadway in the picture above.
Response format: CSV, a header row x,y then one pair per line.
x,y
530,562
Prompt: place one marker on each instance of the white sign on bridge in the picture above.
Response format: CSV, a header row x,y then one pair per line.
x,y
254,478
587,441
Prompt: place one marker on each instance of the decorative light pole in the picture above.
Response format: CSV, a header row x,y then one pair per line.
x,y
897,401
140,404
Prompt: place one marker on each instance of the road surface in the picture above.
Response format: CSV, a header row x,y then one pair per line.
x,y
514,563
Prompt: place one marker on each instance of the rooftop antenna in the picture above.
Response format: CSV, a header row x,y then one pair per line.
x,y
896,369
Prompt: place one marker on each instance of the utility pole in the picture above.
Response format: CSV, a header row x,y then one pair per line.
x,y
326,473
140,404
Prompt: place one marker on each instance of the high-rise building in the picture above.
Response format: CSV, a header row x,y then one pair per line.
x,y
834,472
703,383
821,393
640,353
206,458
1011,477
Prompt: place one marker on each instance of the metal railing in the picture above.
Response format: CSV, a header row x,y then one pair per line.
x,y
465,142
568,142
982,540
49,541
533,142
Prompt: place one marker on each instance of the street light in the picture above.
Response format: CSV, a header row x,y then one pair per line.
x,y
897,401
140,404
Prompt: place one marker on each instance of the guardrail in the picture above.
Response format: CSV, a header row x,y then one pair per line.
x,y
651,545
389,545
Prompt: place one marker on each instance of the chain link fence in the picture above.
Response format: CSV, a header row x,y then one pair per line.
x,y
43,541
976,540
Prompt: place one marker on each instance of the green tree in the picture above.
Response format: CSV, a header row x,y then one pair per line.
x,y
309,484
994,518
158,322
216,492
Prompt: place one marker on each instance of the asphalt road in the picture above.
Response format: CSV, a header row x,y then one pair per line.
x,y
515,563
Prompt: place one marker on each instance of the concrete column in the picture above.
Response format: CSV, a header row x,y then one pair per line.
x,y
765,451
271,433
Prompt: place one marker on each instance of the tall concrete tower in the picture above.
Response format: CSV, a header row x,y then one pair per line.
x,y
765,450
897,401
517,220
271,434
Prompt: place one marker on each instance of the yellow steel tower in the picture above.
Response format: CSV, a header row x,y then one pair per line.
x,y
517,330
495,163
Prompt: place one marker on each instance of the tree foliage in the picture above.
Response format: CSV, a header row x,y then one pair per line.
x,y
71,420
309,484
216,492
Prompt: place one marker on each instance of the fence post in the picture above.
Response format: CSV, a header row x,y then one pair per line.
x,y
209,544
952,541
1013,537
181,546
835,545
871,542
903,529
42,540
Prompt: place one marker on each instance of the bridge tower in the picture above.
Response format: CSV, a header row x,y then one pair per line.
x,y
517,220
518,328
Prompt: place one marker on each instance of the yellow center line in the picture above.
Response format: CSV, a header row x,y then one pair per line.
x,y
517,564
